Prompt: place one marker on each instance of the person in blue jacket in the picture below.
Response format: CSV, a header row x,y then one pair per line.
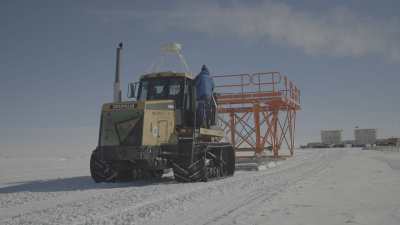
x,y
204,92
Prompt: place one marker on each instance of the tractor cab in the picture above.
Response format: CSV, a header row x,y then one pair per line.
x,y
168,86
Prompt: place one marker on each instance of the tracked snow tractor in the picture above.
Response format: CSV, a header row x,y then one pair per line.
x,y
142,138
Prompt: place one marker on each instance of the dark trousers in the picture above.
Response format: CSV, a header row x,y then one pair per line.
x,y
203,113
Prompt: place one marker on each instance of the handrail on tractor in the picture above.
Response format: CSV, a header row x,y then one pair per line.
x,y
242,76
273,81
258,83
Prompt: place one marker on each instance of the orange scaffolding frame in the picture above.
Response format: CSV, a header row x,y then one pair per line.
x,y
257,111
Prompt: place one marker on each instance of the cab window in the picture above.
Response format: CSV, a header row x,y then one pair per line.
x,y
162,88
144,85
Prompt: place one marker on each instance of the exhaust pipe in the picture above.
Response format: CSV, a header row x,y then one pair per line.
x,y
117,85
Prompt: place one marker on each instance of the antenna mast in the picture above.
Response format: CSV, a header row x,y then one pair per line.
x,y
117,85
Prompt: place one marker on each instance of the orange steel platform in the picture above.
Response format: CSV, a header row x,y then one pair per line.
x,y
257,111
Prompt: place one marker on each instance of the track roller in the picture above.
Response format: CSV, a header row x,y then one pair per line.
x,y
103,171
100,170
210,161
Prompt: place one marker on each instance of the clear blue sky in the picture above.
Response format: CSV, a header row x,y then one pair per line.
x,y
57,60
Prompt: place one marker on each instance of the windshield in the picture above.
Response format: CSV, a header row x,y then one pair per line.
x,y
162,88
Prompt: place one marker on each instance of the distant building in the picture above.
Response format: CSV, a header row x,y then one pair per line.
x,y
316,145
365,136
393,141
331,137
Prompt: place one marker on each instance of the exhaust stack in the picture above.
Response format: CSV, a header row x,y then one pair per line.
x,y
117,85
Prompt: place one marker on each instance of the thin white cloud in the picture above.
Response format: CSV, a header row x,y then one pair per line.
x,y
338,32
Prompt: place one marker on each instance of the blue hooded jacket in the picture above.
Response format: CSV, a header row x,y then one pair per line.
x,y
204,84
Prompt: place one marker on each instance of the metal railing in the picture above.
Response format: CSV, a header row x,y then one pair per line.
x,y
256,83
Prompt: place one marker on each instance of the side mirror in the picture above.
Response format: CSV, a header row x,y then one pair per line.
x,y
132,90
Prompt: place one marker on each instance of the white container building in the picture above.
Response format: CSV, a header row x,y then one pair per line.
x,y
331,137
365,136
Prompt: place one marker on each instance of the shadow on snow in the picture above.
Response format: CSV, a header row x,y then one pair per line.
x,y
75,184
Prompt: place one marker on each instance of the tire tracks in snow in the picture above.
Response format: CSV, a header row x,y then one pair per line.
x,y
156,209
228,210
153,203
260,196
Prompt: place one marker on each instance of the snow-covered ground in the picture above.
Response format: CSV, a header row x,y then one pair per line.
x,y
340,186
